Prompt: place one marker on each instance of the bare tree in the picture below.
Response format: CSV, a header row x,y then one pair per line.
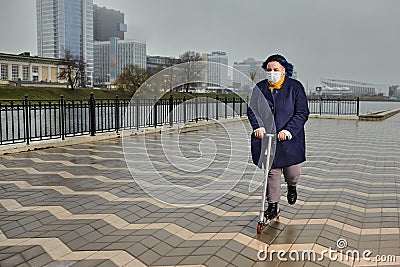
x,y
131,78
72,70
191,68
253,74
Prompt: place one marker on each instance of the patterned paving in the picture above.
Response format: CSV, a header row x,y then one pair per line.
x,y
79,206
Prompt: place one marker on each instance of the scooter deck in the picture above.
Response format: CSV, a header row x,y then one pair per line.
x,y
262,225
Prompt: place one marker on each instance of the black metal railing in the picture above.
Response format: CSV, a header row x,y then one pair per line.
x,y
24,121
32,120
334,106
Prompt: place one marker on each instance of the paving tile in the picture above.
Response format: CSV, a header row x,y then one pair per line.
x,y
136,249
291,263
149,257
217,261
168,261
150,242
227,254
91,263
192,243
173,241
242,261
118,246
194,260
234,246
12,261
181,251
40,260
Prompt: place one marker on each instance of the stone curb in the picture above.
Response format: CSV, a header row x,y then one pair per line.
x,y
333,117
379,116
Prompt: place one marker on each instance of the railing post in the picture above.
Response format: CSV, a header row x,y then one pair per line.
x,y
226,107
216,107
171,108
62,118
26,110
155,113
320,105
240,107
196,108
233,107
137,112
184,109
247,104
207,108
92,115
358,106
116,113
338,106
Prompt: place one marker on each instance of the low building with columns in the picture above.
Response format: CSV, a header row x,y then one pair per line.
x,y
28,70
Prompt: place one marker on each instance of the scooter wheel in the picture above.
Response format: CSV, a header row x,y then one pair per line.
x,y
259,228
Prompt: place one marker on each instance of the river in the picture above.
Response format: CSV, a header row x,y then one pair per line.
x,y
375,106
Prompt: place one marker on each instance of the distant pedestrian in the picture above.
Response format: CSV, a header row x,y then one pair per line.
x,y
287,101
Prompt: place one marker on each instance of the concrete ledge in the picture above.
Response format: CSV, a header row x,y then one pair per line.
x,y
333,117
43,144
52,143
181,127
379,116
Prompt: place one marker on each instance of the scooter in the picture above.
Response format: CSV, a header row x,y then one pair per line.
x,y
264,222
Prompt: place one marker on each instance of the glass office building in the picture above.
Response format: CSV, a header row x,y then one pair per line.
x,y
111,57
65,25
217,74
108,23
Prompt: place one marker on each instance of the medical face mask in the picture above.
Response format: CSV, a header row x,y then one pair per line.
x,y
274,76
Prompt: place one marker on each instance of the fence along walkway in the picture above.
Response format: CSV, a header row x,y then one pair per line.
x,y
33,120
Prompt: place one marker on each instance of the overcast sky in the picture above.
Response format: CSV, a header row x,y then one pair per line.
x,y
342,39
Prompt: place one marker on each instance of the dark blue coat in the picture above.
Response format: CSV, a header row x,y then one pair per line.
x,y
288,111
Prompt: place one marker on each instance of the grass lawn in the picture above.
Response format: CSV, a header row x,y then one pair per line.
x,y
48,93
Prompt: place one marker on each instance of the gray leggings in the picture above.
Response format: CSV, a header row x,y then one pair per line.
x,y
292,176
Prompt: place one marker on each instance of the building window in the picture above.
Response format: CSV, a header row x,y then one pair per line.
x,y
35,74
25,73
4,72
14,73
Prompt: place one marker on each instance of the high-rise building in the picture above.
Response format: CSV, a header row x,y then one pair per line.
x,y
66,25
247,72
112,56
217,74
108,23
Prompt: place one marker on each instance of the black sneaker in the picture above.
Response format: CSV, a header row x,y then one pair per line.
x,y
272,211
291,194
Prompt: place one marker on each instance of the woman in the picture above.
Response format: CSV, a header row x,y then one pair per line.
x,y
287,101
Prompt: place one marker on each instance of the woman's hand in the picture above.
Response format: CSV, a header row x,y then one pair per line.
x,y
281,136
284,135
259,133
